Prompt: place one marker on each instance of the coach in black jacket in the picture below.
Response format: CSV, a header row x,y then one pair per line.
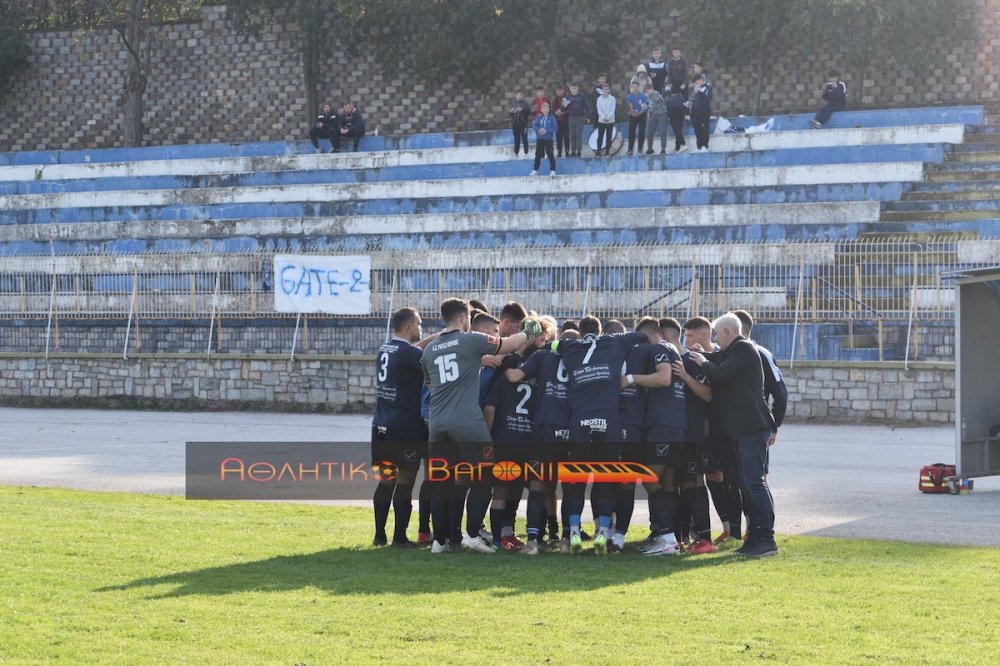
x,y
737,375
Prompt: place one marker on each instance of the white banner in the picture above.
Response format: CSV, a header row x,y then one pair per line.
x,y
332,285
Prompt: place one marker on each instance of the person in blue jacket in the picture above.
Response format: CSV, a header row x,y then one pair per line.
x,y
545,127
835,96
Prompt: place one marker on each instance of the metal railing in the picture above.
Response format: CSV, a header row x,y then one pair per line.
x,y
868,282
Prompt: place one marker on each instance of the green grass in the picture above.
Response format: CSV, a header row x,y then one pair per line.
x,y
120,578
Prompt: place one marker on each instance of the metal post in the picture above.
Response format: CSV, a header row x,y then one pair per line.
x,y
215,304
913,307
131,313
295,336
392,298
52,305
586,292
798,309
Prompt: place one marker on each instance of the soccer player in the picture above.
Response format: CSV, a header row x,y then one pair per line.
x,y
645,373
550,434
662,449
714,453
484,322
399,434
458,431
594,363
691,479
509,413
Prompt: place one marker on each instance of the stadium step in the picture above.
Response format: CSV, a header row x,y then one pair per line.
x,y
971,156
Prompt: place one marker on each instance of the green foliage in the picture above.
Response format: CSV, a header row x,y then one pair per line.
x,y
98,14
14,47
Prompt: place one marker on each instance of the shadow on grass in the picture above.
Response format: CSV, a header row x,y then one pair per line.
x,y
349,571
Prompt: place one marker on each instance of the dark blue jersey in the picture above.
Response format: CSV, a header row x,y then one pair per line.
x,y
697,409
550,375
515,405
638,361
399,381
595,365
775,390
666,407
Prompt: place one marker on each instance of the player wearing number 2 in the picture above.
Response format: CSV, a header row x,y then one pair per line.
x,y
458,431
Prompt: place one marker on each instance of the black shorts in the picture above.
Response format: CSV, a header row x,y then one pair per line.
x,y
689,469
595,438
548,444
664,446
633,437
514,451
470,444
716,453
404,448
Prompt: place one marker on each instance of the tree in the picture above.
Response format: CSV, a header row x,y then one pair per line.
x,y
743,32
14,48
324,25
904,32
131,21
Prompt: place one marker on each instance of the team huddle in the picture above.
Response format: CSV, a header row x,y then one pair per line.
x,y
521,389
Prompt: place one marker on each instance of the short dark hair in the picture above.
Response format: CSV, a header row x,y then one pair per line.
x,y
569,325
478,305
482,317
453,308
514,311
697,77
833,73
569,334
746,321
402,317
647,323
589,325
614,326
670,324
694,323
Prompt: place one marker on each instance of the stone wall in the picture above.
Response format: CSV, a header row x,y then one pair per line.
x,y
210,84
835,393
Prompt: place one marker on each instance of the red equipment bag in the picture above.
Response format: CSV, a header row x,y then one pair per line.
x,y
932,478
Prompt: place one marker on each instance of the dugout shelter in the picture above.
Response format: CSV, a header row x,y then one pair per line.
x,y
977,372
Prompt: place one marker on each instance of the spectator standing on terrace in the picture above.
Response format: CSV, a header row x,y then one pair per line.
x,y
835,96
605,120
677,73
656,120
326,126
657,70
701,110
545,132
638,106
353,124
578,109
677,111
536,104
639,77
697,68
520,118
559,110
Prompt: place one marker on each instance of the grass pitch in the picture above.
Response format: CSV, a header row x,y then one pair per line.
x,y
119,578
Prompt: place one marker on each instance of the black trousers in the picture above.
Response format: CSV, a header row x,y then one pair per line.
x,y
520,138
604,129
562,138
636,122
317,133
356,135
677,125
824,114
699,120
544,148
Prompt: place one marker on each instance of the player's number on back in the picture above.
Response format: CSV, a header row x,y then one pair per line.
x,y
561,373
383,367
447,366
526,390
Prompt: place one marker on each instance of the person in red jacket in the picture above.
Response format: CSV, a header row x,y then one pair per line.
x,y
536,104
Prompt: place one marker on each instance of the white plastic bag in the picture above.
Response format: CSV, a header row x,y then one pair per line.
x,y
722,126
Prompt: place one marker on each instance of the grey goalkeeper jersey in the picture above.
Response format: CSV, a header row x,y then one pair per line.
x,y
451,366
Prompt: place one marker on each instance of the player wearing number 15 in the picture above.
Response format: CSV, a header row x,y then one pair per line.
x,y
458,431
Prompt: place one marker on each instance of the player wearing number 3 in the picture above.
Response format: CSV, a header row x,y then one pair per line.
x,y
458,431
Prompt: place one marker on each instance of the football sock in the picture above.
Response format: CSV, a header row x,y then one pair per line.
x,y
456,507
735,514
496,524
536,513
619,539
441,512
720,498
382,501
477,506
424,506
624,506
564,516
402,506
702,524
